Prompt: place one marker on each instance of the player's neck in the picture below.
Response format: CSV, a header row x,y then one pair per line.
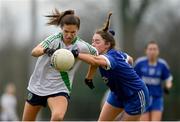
x,y
67,43
152,61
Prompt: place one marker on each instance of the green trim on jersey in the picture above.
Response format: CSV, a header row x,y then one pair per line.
x,y
51,38
66,80
75,39
44,44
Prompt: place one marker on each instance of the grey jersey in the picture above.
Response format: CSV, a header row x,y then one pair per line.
x,y
45,80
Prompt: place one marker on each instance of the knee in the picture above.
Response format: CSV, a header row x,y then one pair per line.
x,y
57,116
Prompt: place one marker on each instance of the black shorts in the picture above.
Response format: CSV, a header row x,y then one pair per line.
x,y
34,99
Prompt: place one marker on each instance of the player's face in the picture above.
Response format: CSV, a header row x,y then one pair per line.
x,y
152,51
69,33
99,43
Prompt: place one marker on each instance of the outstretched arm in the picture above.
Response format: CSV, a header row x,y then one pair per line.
x,y
93,60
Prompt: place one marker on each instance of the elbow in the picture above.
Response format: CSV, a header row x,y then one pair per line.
x,y
34,53
37,51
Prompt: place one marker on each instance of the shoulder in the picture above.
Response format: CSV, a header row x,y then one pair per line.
x,y
116,54
161,61
113,51
124,54
81,41
140,60
84,46
53,37
51,40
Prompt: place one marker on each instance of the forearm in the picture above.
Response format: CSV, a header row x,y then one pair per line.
x,y
89,77
91,72
90,59
168,84
37,51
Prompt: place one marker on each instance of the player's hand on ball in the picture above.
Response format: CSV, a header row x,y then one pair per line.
x,y
49,51
75,52
89,83
62,60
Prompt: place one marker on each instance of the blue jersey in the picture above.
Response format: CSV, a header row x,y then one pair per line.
x,y
153,75
119,75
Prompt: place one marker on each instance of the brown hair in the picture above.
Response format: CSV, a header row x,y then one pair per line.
x,y
151,42
105,34
63,18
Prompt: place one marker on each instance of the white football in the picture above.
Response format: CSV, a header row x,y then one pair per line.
x,y
62,60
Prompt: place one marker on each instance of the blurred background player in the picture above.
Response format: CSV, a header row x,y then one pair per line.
x,y
154,70
9,103
47,85
128,94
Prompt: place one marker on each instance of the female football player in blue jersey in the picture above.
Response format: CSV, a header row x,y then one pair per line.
x,y
154,70
129,95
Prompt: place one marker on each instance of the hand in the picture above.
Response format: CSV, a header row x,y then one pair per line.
x,y
75,52
89,83
166,90
49,51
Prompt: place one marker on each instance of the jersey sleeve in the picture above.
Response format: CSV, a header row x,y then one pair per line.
x,y
166,74
111,63
85,47
92,50
126,57
49,41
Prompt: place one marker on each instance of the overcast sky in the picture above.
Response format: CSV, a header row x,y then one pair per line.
x,y
159,18
15,15
19,14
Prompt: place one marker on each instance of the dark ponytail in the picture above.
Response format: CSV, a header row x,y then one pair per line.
x,y
61,18
107,34
107,24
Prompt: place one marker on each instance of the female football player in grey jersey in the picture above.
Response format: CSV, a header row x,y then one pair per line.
x,y
48,86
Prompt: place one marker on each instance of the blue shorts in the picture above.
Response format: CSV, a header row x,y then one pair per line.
x,y
34,99
134,105
155,103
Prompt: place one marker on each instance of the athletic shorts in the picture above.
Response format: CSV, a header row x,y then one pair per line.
x,y
34,99
134,105
155,103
